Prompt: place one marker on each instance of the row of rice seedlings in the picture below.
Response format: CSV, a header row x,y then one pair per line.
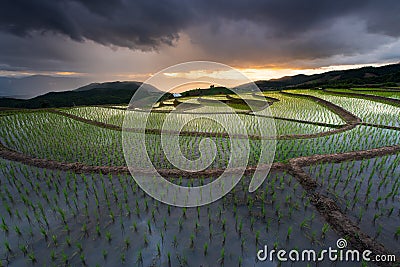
x,y
288,128
371,91
101,114
71,141
359,138
74,141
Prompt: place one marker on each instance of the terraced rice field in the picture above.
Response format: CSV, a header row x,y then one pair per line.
x,y
306,110
68,198
373,91
369,111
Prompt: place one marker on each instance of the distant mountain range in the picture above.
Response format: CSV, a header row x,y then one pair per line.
x,y
92,94
388,75
31,86
121,92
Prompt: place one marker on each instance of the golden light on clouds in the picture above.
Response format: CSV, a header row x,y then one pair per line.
x,y
198,74
48,73
203,78
256,74
68,73
192,85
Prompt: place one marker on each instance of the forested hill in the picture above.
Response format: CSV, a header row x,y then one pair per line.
x,y
92,94
388,75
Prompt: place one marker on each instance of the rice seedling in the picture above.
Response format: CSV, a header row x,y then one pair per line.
x,y
23,248
149,226
108,236
127,243
145,240
68,241
139,257
7,246
53,256
257,236
192,241
104,253
83,259
32,257
4,226
222,256
397,233
64,257
289,232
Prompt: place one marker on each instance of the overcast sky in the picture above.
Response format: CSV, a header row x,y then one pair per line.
x,y
130,40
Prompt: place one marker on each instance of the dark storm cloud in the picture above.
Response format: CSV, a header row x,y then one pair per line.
x,y
383,17
229,31
42,53
292,17
143,24
21,17
148,23
6,67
